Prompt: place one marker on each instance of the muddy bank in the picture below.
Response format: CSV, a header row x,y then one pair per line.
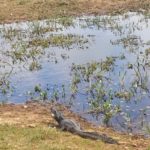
x,y
34,115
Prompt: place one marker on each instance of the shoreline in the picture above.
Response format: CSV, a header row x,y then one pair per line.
x,y
37,115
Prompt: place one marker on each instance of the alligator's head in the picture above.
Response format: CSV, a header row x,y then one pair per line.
x,y
56,115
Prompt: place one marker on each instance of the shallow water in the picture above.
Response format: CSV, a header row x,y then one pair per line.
x,y
99,37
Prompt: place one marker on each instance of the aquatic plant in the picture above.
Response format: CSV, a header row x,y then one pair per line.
x,y
99,97
131,42
65,21
10,32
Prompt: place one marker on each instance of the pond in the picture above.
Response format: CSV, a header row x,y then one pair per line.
x,y
97,65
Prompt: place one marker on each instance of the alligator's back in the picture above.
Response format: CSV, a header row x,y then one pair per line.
x,y
69,125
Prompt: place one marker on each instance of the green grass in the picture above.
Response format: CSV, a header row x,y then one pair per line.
x,y
38,138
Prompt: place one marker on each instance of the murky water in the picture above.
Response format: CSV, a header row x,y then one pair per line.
x,y
87,40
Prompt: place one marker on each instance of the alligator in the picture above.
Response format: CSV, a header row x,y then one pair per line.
x,y
71,126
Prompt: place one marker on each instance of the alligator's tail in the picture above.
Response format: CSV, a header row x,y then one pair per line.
x,y
96,136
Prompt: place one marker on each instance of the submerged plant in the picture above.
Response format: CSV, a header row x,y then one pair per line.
x,y
124,94
40,93
34,66
65,21
131,42
93,76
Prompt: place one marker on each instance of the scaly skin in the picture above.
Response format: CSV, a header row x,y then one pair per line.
x,y
73,127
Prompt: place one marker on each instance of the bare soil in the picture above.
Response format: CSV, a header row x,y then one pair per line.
x,y
18,10
37,114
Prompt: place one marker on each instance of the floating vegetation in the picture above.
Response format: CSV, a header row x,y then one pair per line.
x,y
42,94
97,78
44,43
147,51
4,86
104,22
66,21
63,41
99,98
10,33
126,95
131,42
96,64
28,41
38,29
34,66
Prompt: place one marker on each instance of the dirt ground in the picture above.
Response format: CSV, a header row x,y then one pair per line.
x,y
16,10
35,114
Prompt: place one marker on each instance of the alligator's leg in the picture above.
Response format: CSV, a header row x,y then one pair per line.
x,y
62,128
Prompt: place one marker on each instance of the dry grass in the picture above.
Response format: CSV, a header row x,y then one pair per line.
x,y
16,10
26,127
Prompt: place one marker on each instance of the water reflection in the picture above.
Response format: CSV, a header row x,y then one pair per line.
x,y
42,54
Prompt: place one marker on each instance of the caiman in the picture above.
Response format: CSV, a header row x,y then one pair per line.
x,y
71,126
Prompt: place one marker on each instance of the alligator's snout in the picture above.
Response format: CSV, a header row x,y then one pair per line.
x,y
52,115
53,112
